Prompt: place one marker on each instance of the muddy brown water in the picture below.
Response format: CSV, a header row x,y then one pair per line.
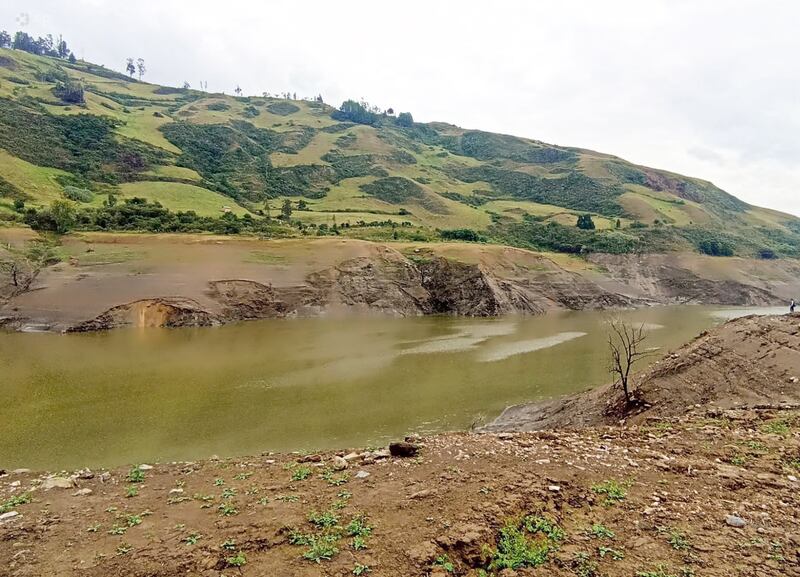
x,y
140,395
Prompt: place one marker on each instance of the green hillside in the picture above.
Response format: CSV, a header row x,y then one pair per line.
x,y
98,137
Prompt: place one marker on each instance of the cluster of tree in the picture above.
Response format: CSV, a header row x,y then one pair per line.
x,y
139,68
138,214
463,234
41,46
365,113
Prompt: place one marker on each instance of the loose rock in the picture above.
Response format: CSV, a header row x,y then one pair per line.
x,y
403,449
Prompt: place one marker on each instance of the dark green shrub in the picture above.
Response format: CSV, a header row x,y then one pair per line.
x,y
465,234
282,108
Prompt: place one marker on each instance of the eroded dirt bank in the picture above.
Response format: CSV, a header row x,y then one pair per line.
x,y
109,280
749,361
688,487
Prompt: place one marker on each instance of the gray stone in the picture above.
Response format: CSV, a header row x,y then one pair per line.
x,y
362,475
339,463
6,516
735,521
82,492
58,483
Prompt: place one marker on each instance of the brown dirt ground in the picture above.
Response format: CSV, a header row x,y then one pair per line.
x,y
679,475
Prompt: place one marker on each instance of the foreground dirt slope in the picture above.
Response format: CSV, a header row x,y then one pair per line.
x,y
709,494
109,280
748,361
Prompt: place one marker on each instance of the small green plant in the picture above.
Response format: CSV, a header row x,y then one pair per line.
x,y
219,482
227,510
133,520
358,527
124,548
93,528
444,562
228,545
515,549
321,548
583,565
117,530
738,459
301,473
777,427
228,493
677,540
136,475
613,553
299,538
599,531
287,498
192,538
659,571
238,560
359,543
335,480
243,476
15,501
131,491
614,491
263,501
360,569
323,520
538,524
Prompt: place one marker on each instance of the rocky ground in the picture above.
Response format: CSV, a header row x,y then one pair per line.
x,y
713,493
702,479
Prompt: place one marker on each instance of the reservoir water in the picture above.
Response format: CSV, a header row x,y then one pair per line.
x,y
139,395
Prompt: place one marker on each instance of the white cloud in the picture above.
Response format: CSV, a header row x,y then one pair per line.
x,y
705,87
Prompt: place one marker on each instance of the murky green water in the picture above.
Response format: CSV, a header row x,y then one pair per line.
x,y
145,395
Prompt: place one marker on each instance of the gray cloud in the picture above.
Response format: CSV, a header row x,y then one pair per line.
x,y
705,87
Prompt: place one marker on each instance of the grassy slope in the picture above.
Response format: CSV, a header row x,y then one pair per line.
x,y
447,199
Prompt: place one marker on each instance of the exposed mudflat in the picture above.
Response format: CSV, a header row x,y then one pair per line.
x,y
111,280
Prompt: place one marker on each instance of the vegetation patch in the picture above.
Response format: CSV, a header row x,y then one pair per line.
x,y
283,108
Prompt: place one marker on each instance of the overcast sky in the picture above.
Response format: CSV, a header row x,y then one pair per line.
x,y
708,88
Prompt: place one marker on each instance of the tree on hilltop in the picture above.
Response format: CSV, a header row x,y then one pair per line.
x,y
5,39
130,67
405,119
140,67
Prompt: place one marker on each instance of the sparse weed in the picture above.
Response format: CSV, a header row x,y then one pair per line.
x,y
321,548
219,482
93,528
237,560
227,510
360,569
323,520
776,427
538,524
228,493
599,531
131,491
358,527
287,498
444,562
614,491
228,545
15,501
659,571
133,520
243,476
301,473
192,538
117,530
124,548
136,475
615,554
583,565
515,549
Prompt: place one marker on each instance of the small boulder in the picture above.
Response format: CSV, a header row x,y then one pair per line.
x,y
339,463
362,475
6,516
82,492
735,521
145,467
403,449
58,483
